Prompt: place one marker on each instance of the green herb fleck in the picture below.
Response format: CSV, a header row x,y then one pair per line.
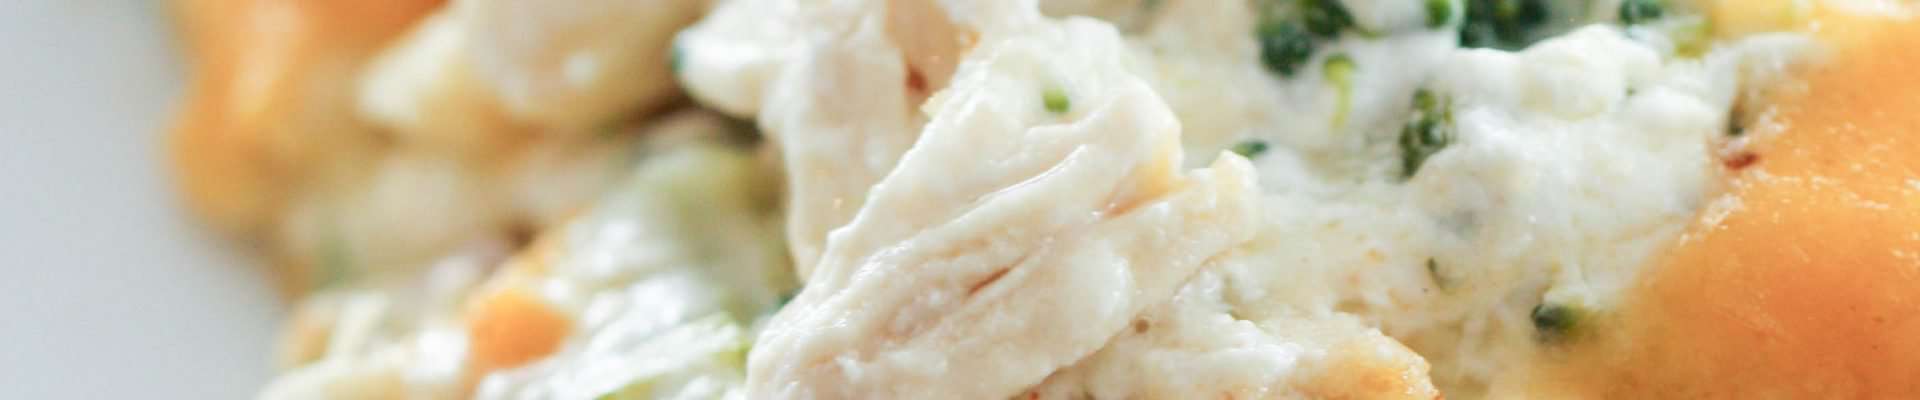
x,y
1284,46
1338,70
1503,24
1556,322
1439,279
1325,18
1430,131
1634,12
1439,12
1692,36
1290,30
1250,148
1055,100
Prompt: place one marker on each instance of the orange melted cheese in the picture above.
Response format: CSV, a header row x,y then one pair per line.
x,y
1810,287
511,327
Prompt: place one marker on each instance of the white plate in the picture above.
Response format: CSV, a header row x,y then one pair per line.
x,y
109,292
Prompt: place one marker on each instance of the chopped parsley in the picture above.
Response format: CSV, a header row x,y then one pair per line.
x,y
1634,12
1503,24
1325,18
1439,12
1430,131
1055,100
1736,117
1440,279
1250,148
1338,70
1290,30
1556,322
1284,46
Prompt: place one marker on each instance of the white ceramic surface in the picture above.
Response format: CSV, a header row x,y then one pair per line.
x,y
108,292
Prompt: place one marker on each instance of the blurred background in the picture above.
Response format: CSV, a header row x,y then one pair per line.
x,y
110,290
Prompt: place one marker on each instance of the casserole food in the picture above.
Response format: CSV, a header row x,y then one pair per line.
x,y
1068,199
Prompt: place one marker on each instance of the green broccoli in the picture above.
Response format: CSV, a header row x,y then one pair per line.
x,y
1430,131
1503,24
1556,322
1284,46
1439,12
1290,30
1250,148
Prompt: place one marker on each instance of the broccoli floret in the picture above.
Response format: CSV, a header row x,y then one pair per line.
x,y
1284,46
1502,24
1430,131
1439,12
1290,31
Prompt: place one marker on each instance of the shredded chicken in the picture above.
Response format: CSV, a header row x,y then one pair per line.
x,y
1197,346
836,85
1011,240
480,72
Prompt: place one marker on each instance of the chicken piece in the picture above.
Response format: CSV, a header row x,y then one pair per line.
x,y
837,86
1040,210
1197,346
484,74
575,64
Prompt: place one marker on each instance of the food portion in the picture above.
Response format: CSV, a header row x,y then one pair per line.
x,y
1076,216
833,84
1339,199
331,143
